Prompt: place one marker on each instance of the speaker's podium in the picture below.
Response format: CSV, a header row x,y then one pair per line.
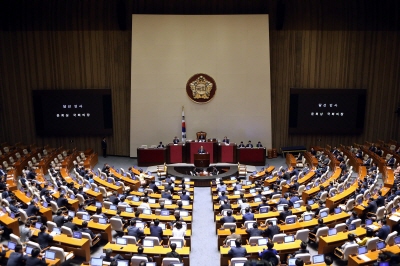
x,y
202,160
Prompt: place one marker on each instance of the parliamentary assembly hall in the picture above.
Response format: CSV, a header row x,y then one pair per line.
x,y
199,132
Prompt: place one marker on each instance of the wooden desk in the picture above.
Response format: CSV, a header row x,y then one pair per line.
x,y
45,211
290,160
105,184
103,229
97,195
55,262
260,174
353,160
309,193
310,159
283,249
10,223
151,156
302,181
91,160
74,203
80,247
252,156
133,184
157,250
373,255
327,244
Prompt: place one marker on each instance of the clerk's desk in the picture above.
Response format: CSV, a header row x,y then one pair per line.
x,y
55,262
103,229
43,210
282,248
311,192
372,255
158,252
288,228
80,247
327,244
142,216
303,180
10,223
89,192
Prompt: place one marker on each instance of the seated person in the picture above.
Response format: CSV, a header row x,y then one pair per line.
x,y
156,230
33,259
249,145
108,258
307,212
254,231
225,206
248,216
351,239
160,145
241,145
135,231
284,214
85,229
70,224
353,217
145,204
202,138
228,219
272,230
318,226
44,239
269,254
225,140
201,150
175,140
370,234
173,253
259,145
303,249
222,196
233,235
237,251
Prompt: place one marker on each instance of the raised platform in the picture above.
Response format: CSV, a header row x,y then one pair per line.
x,y
225,172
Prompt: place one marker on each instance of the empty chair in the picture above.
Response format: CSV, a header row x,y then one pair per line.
x,y
349,206
340,227
117,225
278,238
390,238
33,245
305,257
253,241
80,214
371,243
323,231
61,255
51,225
136,260
15,239
104,192
229,225
238,261
130,239
156,241
301,189
324,195
66,230
54,206
380,213
276,196
302,234
348,250
357,222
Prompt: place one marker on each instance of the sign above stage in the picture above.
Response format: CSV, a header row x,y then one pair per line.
x,y
201,88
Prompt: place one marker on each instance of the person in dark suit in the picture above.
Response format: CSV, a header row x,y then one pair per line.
x,y
353,217
160,145
271,230
238,251
225,140
59,219
201,150
372,207
104,147
135,231
228,219
85,229
241,145
166,194
202,138
259,145
62,201
156,230
44,239
185,196
32,209
17,257
114,198
108,258
225,206
249,145
384,231
248,216
173,253
320,207
303,249
380,201
176,140
390,162
70,224
33,259
284,214
254,231
318,226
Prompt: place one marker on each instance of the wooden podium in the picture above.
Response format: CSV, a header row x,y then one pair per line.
x,y
202,160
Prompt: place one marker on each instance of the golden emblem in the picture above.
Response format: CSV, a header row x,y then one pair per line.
x,y
201,88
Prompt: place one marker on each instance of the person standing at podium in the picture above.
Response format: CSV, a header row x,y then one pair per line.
x,y
176,140
225,140
201,150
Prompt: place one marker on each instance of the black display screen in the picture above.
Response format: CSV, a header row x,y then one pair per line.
x,y
327,111
73,112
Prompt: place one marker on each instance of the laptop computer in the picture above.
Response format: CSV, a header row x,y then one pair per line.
x,y
310,202
129,209
239,201
257,199
185,203
148,243
177,242
288,239
323,214
45,204
12,215
338,210
262,241
135,198
71,213
164,213
292,262
385,263
98,204
332,232
77,235
121,241
102,221
296,205
290,220
11,245
249,225
368,222
307,217
122,263
96,189
351,227
264,209
253,190
151,264
318,259
184,213
140,189
167,202
360,200
397,240
181,264
86,217
72,196
147,211
163,226
280,208
380,245
56,231
113,207
50,255
231,242
96,262
308,187
140,224
38,225
152,201
362,250
28,250
117,183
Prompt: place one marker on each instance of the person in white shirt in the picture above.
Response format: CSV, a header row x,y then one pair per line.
x,y
351,240
308,211
145,204
178,230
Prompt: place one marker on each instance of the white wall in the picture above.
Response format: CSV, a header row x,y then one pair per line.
x,y
168,49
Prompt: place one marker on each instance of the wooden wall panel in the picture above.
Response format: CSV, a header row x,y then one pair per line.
x,y
80,44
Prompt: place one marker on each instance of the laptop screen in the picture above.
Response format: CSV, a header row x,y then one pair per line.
x,y
11,245
386,263
141,189
318,259
280,208
380,245
310,202
38,225
99,204
96,189
185,203
368,221
296,205
163,226
102,221
307,217
45,204
362,250
121,241
165,212
184,213
292,262
289,239
152,201
397,240
71,213
338,210
323,214
290,220
96,262
332,231
122,263
148,243
129,209
86,217
28,250
262,241
232,243
253,190
113,207
135,198
50,255
352,227
151,264
178,243
249,225
257,199
72,196
56,230
264,209
168,202
77,235
140,224
147,211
